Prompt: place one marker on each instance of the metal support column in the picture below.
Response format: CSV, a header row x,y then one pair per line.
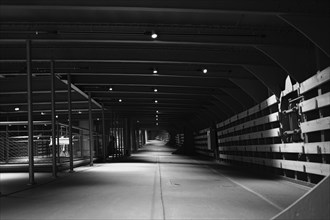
x,y
70,123
7,145
90,128
58,142
103,135
54,168
30,111
145,136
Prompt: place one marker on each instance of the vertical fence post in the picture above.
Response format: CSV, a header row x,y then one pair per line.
x,y
70,122
58,142
6,155
30,112
103,135
54,147
90,128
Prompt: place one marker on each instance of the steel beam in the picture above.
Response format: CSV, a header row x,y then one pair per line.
x,y
30,112
53,98
313,28
90,129
253,88
272,77
299,68
70,122
103,135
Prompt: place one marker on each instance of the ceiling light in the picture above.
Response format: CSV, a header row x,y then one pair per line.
x,y
157,111
110,89
156,101
56,116
156,116
98,119
42,113
155,71
120,100
205,70
155,90
156,123
154,35
16,109
79,112
156,119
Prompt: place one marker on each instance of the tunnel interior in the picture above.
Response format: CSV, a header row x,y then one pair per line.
x,y
245,85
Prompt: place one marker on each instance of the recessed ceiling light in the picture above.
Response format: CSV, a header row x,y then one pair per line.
x,y
16,109
56,116
156,101
156,119
79,112
110,89
155,90
42,113
156,123
205,70
120,100
98,119
157,111
155,71
156,116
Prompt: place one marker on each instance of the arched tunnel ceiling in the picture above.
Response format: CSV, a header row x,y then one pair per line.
x,y
247,46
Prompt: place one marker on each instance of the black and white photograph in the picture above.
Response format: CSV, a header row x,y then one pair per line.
x,y
165,110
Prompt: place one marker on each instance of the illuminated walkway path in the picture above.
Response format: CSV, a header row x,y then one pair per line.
x,y
153,184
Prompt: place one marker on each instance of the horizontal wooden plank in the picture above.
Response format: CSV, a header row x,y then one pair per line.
x,y
301,166
265,104
272,100
315,125
307,148
200,143
275,132
259,121
200,137
206,153
315,81
253,110
317,147
201,147
315,103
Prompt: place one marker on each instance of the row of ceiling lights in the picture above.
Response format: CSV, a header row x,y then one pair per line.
x,y
120,100
111,89
157,112
204,70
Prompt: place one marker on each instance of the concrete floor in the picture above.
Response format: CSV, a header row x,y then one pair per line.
x,y
152,184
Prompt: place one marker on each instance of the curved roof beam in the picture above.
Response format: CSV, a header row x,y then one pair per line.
x,y
253,87
314,28
272,77
299,63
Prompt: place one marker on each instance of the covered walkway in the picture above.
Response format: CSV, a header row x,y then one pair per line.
x,y
151,184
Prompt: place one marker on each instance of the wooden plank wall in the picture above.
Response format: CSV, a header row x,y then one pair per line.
x,y
179,139
290,135
200,143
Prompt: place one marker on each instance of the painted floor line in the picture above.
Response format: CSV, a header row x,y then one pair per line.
x,y
246,188
250,190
